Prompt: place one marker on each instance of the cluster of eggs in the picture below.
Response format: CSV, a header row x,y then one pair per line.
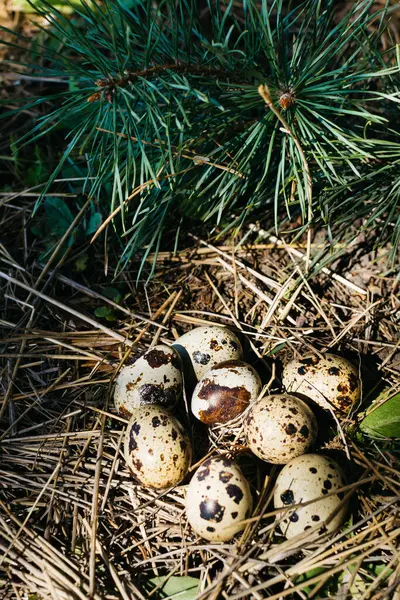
x,y
279,428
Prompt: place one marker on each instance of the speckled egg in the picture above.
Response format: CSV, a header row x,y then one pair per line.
x,y
280,427
154,378
218,498
207,346
331,381
157,449
304,479
225,391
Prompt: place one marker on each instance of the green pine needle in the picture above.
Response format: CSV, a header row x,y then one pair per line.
x,y
164,104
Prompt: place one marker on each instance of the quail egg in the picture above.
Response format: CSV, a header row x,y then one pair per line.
x,y
280,427
331,381
157,449
218,498
205,347
154,378
304,479
225,391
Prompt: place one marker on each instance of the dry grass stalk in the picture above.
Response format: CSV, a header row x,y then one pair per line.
x,y
73,523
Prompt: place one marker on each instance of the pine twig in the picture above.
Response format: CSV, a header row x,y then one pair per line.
x,y
264,92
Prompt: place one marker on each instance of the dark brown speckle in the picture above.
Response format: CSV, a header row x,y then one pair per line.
x,y
291,429
132,442
225,403
137,464
353,381
225,476
310,360
234,492
215,346
156,394
201,358
211,510
287,497
344,401
203,472
322,530
156,358
333,371
304,431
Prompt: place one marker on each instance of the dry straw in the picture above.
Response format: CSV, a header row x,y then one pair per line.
x,y
73,523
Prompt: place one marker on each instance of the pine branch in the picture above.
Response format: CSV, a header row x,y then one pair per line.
x,y
165,103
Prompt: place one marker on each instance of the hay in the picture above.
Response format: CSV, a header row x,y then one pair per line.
x,y
74,524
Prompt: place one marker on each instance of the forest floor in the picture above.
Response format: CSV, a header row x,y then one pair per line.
x,y
74,522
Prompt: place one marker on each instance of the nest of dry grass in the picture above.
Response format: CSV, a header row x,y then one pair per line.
x,y
73,522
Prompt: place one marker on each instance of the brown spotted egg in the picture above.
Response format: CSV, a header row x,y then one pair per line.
x,y
207,346
225,391
331,381
280,427
154,378
157,449
310,478
218,499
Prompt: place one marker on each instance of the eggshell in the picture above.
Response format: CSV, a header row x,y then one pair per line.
x,y
225,391
217,499
280,427
304,479
332,381
205,347
154,378
157,449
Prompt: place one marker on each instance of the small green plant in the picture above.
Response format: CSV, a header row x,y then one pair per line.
x,y
243,108
383,420
55,220
179,588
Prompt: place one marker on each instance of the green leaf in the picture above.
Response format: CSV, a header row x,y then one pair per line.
x,y
58,215
178,588
384,421
112,293
38,169
94,223
309,575
277,349
36,230
105,312
378,569
81,263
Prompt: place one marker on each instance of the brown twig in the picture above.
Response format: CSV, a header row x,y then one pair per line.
x,y
266,96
